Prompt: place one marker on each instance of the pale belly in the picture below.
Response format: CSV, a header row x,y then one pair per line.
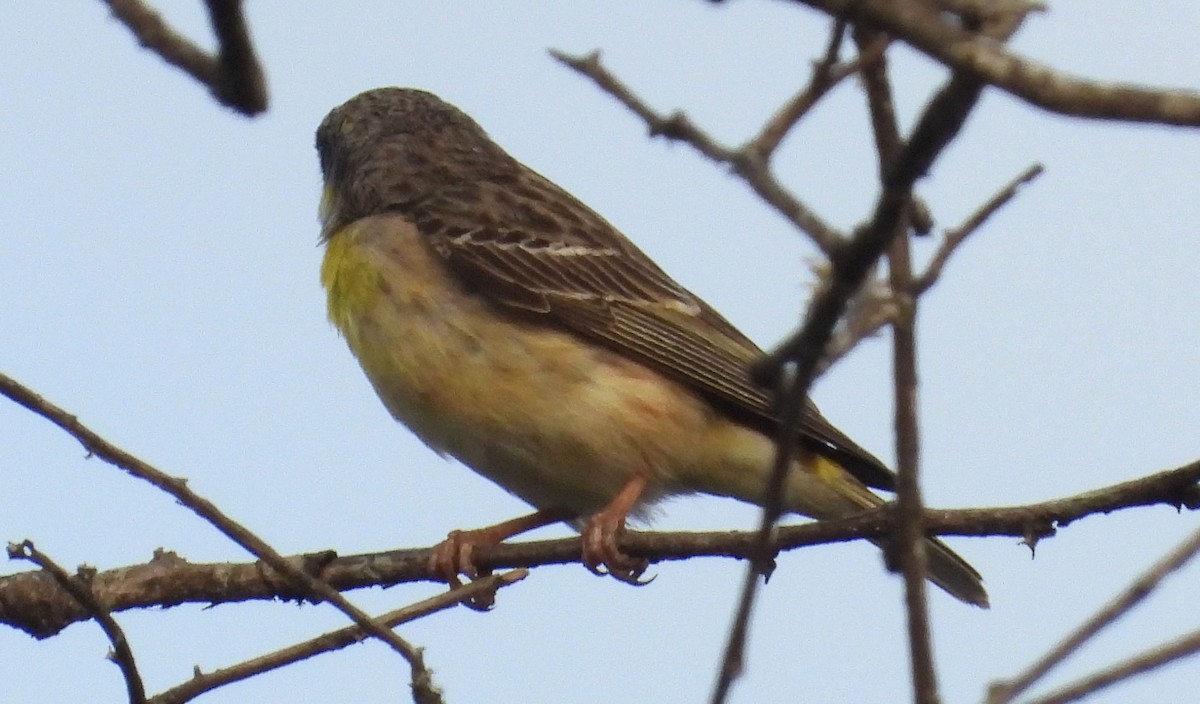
x,y
555,420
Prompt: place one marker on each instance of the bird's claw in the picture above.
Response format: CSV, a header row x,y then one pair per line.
x,y
602,556
455,556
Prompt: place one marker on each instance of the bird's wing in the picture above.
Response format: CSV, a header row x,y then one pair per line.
x,y
585,277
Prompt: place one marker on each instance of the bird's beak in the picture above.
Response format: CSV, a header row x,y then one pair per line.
x,y
327,212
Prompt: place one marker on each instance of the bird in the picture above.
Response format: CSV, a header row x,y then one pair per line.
x,y
511,327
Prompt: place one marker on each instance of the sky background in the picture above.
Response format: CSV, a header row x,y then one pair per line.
x,y
159,280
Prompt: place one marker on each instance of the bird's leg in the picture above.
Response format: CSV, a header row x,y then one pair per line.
x,y
456,554
600,551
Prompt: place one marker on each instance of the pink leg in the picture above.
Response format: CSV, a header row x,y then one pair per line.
x,y
600,551
455,555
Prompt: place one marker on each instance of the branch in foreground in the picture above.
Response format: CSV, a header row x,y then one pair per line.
x,y
34,603
851,261
1179,648
937,35
909,549
954,238
424,691
748,162
81,591
1004,692
333,640
234,75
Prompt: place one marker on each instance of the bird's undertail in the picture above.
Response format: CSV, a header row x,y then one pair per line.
x,y
825,490
951,573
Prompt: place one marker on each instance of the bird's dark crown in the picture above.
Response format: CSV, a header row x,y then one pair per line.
x,y
389,148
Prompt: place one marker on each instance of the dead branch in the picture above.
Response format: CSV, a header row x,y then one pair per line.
x,y
233,75
939,36
33,602
424,691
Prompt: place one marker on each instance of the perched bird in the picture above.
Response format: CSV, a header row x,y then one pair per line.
x,y
513,328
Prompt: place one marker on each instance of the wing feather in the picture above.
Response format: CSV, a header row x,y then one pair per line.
x,y
585,277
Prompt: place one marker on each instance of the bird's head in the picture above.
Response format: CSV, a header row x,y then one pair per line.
x,y
389,149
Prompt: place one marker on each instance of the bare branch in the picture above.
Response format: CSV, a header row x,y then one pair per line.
x,y
234,76
851,262
334,640
34,603
81,591
940,37
958,235
910,548
1001,693
423,689
242,84
752,168
1150,660
827,74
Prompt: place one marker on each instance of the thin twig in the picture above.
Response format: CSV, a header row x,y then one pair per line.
x,y
827,74
1135,593
423,689
333,640
234,75
1152,659
869,312
753,169
80,590
958,235
792,392
910,544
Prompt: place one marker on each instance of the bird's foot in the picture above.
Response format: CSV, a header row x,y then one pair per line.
x,y
602,555
455,555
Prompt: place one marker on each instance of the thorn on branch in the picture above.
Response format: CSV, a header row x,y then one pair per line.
x,y
675,126
1034,533
1189,498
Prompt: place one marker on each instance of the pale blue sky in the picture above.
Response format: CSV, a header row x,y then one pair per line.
x,y
159,280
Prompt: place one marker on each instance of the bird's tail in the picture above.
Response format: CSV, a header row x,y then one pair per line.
x,y
952,573
825,490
